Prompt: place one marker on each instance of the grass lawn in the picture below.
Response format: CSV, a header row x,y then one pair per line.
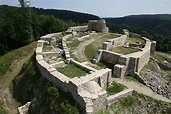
x,y
115,88
92,48
124,50
135,40
72,71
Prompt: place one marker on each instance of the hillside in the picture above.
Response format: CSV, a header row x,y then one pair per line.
x,y
20,26
154,27
76,17
155,16
154,24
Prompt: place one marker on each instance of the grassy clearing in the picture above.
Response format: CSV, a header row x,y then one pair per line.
x,y
92,48
12,57
72,71
47,48
159,57
73,45
131,78
135,40
124,50
115,88
138,104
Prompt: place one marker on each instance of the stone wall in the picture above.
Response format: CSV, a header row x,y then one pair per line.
x,y
89,91
82,66
112,43
83,89
125,64
116,97
77,29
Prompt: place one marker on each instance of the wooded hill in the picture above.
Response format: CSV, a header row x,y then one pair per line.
x,y
20,26
155,27
66,15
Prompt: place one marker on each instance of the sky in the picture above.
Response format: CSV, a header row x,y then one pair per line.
x,y
103,8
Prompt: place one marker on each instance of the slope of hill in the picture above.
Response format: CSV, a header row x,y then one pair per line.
x,y
154,24
155,16
154,27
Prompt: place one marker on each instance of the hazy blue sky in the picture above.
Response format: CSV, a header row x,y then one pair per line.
x,y
103,8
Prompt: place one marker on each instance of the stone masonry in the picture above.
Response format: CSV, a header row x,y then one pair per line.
x,y
89,91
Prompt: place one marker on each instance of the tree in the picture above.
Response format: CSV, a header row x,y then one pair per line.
x,y
24,3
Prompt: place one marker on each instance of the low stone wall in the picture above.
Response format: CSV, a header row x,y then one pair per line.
x,y
64,46
116,97
112,43
48,37
82,66
77,29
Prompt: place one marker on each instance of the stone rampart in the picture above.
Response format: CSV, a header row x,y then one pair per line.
x,y
125,64
89,91
112,43
116,97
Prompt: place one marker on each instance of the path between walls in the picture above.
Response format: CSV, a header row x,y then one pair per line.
x,y
140,88
81,47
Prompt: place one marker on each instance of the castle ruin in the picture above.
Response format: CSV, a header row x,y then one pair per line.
x,y
90,90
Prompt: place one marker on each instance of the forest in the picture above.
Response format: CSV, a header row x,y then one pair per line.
x,y
155,27
22,25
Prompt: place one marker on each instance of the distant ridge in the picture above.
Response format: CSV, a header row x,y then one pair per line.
x,y
153,16
76,17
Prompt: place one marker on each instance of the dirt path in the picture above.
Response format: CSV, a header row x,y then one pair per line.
x,y
140,88
80,50
6,96
81,47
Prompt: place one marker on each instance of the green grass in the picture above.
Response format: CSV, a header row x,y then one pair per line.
x,y
131,78
127,102
135,40
115,88
159,57
138,104
72,71
2,111
49,98
92,48
73,45
47,48
124,50
12,57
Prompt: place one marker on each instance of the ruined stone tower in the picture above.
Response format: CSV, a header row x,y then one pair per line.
x,y
98,25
